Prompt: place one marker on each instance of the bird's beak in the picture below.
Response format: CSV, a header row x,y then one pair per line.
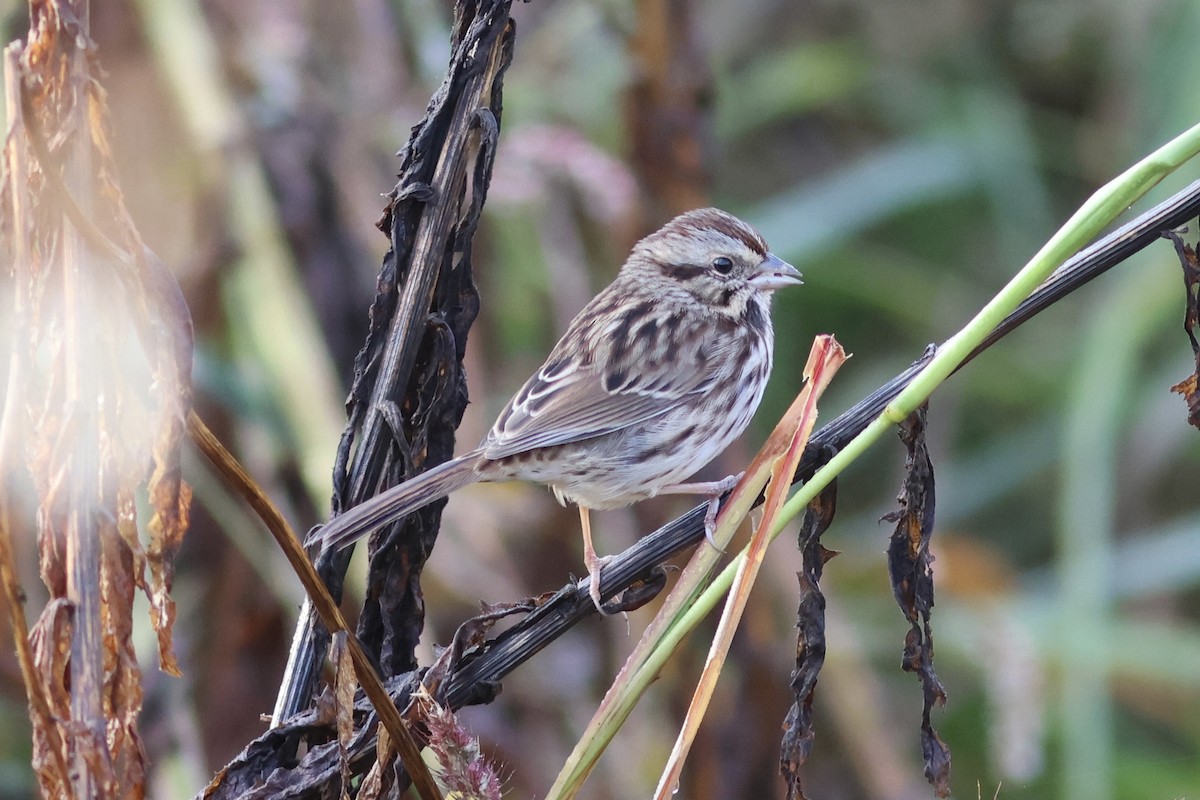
x,y
775,273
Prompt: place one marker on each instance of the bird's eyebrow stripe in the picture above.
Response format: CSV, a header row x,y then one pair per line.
x,y
737,233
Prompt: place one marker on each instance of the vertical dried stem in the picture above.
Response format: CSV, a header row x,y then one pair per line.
x,y
427,300
667,109
81,396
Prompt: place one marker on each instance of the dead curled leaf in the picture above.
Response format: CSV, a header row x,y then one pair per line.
x,y
50,640
798,729
910,565
1190,265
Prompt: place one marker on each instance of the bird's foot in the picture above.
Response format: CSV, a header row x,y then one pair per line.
x,y
714,505
594,564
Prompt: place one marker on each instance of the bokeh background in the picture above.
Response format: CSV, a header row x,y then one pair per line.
x,y
907,157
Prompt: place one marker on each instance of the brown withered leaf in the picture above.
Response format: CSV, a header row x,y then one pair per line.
x,y
345,683
1187,388
910,565
50,641
382,775
166,530
167,323
122,688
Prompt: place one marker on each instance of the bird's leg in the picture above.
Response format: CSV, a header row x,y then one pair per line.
x,y
714,490
593,562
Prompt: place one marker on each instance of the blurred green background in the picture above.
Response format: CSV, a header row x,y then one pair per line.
x,y
907,157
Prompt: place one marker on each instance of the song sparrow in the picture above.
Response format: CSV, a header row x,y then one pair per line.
x,y
652,380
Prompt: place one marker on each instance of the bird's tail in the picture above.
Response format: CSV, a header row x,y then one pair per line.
x,y
396,502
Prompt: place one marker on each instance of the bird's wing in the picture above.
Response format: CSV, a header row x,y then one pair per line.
x,y
566,401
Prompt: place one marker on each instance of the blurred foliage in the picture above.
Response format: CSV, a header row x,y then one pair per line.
x,y
907,157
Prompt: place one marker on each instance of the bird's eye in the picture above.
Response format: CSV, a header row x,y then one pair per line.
x,y
722,265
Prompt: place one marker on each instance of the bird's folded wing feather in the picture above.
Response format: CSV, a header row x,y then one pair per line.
x,y
568,403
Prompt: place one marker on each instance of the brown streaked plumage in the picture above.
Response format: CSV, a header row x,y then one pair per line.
x,y
656,376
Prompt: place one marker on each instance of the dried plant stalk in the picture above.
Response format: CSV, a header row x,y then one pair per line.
x,y
99,390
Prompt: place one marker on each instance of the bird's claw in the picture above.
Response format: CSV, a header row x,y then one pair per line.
x,y
714,506
594,565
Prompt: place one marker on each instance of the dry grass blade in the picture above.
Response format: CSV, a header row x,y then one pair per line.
x,y
630,682
330,614
664,633
784,447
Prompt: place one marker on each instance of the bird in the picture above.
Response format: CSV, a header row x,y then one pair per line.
x,y
651,381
